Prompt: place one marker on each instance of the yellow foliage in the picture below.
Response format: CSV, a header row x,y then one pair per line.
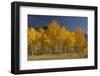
x,y
55,37
32,33
80,37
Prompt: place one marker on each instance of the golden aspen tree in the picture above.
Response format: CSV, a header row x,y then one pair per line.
x,y
80,39
61,39
56,39
31,39
71,41
53,32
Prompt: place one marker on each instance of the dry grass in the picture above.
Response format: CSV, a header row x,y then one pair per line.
x,y
55,57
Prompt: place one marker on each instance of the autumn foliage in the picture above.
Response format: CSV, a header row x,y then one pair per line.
x,y
56,39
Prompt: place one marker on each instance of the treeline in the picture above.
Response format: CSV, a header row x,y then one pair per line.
x,y
56,40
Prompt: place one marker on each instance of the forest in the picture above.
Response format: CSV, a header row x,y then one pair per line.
x,y
56,42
